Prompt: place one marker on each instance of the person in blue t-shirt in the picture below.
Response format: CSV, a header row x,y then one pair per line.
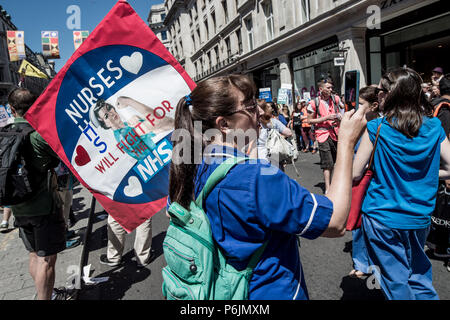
x,y
402,194
368,101
256,202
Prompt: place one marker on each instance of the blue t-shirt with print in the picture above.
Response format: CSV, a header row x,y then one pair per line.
x,y
402,193
256,202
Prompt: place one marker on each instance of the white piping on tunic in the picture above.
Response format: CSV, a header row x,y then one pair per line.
x,y
311,217
299,283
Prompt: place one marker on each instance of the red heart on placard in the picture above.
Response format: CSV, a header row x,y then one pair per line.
x,y
82,157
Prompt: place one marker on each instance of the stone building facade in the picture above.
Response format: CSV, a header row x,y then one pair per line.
x,y
156,23
295,42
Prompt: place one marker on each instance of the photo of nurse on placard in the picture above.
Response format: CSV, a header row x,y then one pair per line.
x,y
133,131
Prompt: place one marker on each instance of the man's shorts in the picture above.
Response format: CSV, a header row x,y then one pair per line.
x,y
44,235
328,152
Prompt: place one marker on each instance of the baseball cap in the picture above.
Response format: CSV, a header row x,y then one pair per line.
x,y
438,70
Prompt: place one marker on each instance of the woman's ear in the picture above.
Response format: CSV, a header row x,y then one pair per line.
x,y
13,111
222,124
374,107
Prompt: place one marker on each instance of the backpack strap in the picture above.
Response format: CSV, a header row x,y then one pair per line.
x,y
218,174
335,103
439,106
182,214
317,103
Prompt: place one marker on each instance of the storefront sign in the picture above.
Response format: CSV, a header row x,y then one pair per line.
x,y
266,94
339,62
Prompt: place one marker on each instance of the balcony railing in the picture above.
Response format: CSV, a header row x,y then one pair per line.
x,y
217,67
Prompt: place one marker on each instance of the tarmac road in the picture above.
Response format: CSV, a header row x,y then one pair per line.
x,y
326,262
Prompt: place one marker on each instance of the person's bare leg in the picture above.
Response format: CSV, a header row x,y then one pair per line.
x,y
45,277
7,214
327,178
32,265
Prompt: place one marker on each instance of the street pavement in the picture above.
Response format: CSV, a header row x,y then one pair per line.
x,y
15,280
326,262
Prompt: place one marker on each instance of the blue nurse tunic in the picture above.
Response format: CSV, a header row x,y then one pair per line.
x,y
256,202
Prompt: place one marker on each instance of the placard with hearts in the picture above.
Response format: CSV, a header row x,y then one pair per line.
x,y
109,115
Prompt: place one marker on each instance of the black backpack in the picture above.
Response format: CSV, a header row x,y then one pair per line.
x,y
16,183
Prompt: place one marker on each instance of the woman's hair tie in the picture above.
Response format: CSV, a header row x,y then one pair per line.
x,y
188,100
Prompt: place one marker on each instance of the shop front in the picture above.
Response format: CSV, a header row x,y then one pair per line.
x,y
267,76
422,43
312,64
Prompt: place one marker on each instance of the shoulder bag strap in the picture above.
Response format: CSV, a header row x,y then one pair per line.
x,y
439,106
374,147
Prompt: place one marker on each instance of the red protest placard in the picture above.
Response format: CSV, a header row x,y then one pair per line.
x,y
109,114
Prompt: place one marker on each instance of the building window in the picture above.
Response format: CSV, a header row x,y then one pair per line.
x,y
249,26
209,59
225,10
181,52
163,35
239,37
197,31
305,11
213,22
216,53
268,12
163,16
205,22
228,47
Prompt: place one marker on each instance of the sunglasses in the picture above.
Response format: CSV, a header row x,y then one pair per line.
x,y
378,90
253,108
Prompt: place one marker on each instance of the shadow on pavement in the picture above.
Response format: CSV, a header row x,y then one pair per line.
x,y
121,279
157,244
7,230
320,185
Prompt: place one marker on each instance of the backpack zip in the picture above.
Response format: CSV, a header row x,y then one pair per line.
x,y
178,253
206,243
177,283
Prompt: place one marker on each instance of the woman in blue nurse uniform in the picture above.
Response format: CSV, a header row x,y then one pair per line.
x,y
256,202
402,194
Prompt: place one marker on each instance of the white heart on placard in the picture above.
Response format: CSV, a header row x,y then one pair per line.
x,y
132,64
134,188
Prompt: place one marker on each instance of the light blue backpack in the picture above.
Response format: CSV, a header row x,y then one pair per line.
x,y
196,267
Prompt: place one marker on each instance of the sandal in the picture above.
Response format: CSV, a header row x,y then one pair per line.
x,y
357,274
